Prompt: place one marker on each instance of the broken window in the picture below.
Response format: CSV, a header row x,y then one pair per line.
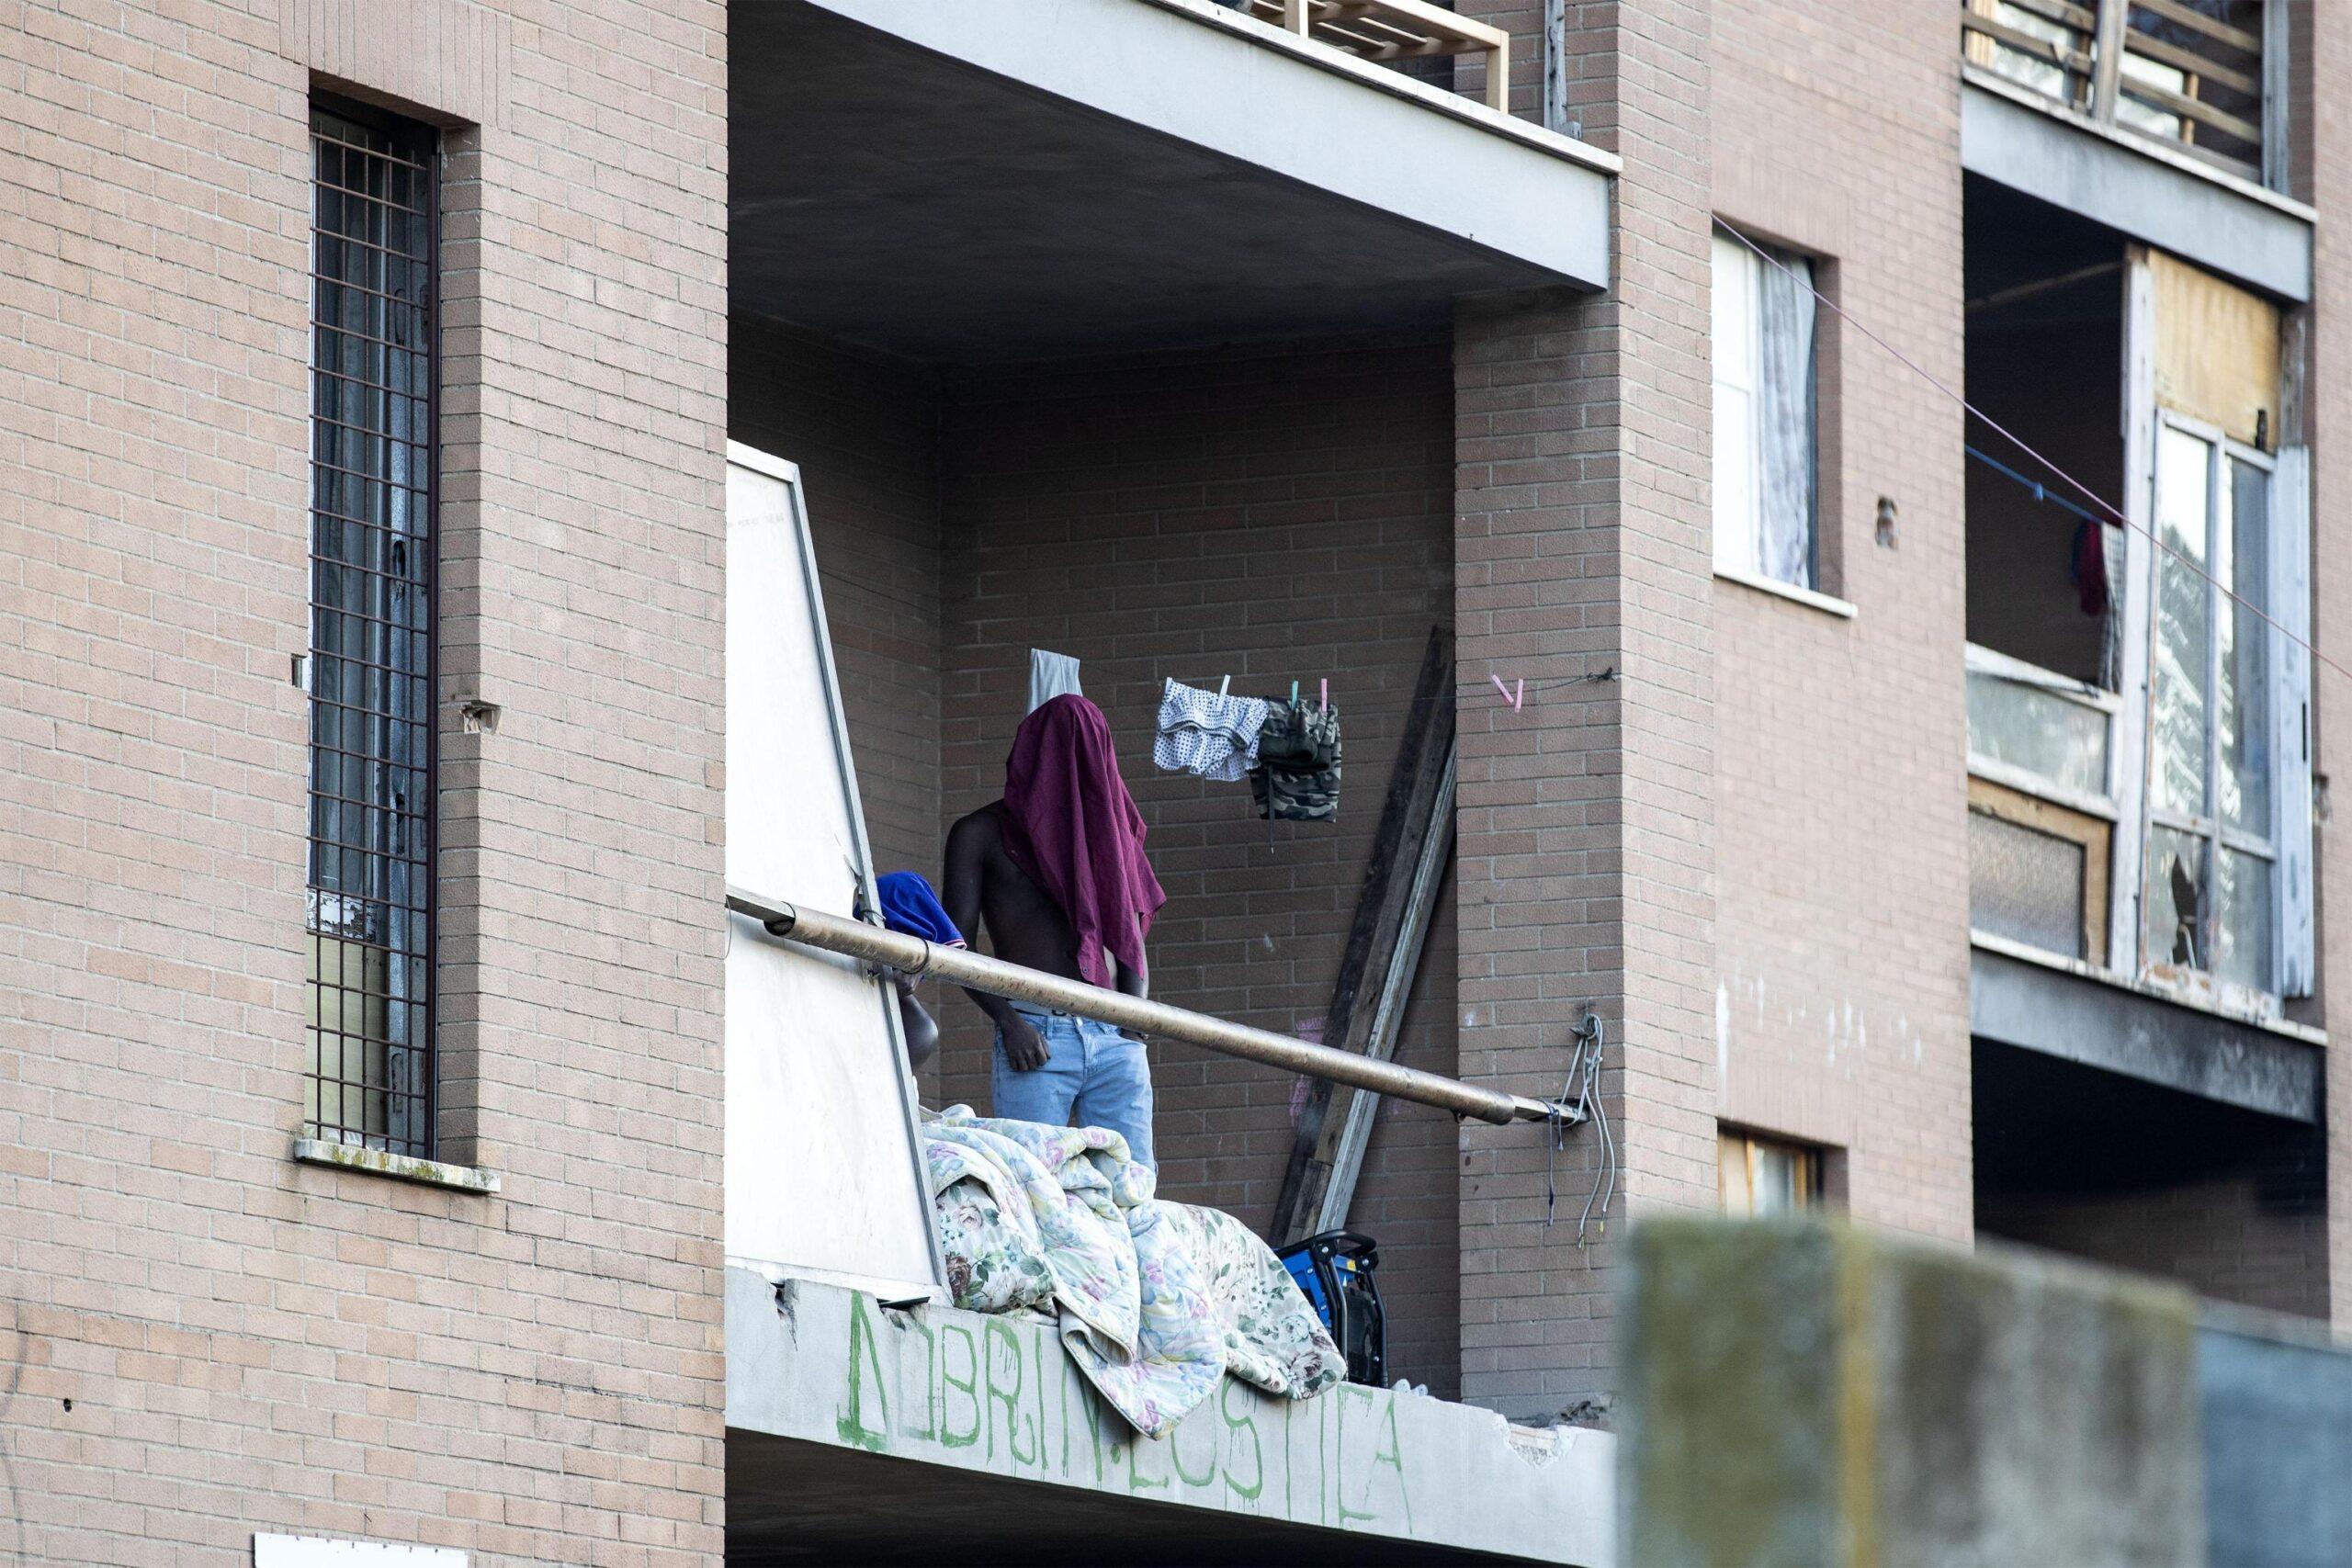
x,y
2212,852
1764,414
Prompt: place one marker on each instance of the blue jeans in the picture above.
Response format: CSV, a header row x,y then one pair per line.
x,y
1093,1076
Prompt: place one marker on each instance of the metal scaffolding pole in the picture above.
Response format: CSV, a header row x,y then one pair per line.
x,y
873,944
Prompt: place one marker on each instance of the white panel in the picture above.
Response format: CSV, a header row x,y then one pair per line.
x,y
316,1551
2127,759
2291,594
821,1158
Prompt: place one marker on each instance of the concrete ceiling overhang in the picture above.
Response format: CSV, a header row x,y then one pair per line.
x,y
1005,179
2017,139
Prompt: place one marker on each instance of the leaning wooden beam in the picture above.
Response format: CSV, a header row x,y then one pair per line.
x,y
1381,912
1339,1152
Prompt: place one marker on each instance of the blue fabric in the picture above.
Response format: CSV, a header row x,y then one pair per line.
x,y
909,906
1093,1076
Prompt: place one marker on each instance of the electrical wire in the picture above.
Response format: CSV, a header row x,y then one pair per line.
x,y
1580,1102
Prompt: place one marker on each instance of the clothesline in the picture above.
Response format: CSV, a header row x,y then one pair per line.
x,y
2041,491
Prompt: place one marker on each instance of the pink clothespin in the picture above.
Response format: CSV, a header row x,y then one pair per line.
x,y
1513,695
1326,691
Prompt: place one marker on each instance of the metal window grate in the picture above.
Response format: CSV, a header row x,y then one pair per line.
x,y
371,669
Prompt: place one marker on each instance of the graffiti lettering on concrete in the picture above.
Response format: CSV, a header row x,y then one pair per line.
x,y
1000,1395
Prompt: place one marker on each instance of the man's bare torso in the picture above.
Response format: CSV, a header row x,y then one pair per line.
x,y
1024,925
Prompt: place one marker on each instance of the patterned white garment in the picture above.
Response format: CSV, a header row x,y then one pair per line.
x,y
1208,733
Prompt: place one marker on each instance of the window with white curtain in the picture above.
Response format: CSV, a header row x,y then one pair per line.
x,y
1764,415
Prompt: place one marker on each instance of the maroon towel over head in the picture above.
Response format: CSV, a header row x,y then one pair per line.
x,y
1075,832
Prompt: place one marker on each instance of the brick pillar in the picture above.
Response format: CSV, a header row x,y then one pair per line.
x,y
1582,547
2323,134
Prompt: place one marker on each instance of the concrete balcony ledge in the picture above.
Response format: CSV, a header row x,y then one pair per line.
x,y
2020,139
856,1432
2062,1007
1007,179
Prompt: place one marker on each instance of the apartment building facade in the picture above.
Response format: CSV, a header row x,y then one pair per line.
x,y
389,391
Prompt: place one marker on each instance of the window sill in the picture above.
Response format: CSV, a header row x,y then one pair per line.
x,y
1841,608
398,1168
2192,1000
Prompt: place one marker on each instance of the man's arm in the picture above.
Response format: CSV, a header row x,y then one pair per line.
x,y
1135,982
968,863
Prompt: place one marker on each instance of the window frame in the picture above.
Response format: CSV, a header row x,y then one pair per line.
x,y
2209,828
421,144
1746,1150
1749,564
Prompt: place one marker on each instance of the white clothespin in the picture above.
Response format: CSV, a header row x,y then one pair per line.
x,y
1224,685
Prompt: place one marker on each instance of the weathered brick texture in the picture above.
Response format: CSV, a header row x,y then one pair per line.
x,y
247,1344
1588,839
1841,922
2328,164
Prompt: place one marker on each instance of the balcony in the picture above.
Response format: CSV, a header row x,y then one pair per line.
x,y
2164,120
871,1416
2202,78
994,180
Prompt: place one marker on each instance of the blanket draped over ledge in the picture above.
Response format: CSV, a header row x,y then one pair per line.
x,y
1155,1301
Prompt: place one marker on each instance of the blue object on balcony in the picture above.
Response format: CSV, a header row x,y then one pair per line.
x,y
1335,1271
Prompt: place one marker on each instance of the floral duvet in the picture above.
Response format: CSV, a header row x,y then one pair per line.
x,y
1155,1301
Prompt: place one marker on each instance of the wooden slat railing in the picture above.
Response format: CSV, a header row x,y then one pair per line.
x,y
1391,30
2197,74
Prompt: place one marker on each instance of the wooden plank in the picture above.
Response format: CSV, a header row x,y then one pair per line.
x,y
2189,59
2216,350
2204,114
1339,1150
2106,58
2277,157
1380,909
2198,22
2080,19
1434,20
2027,44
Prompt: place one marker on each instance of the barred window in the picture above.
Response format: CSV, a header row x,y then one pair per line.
x,y
371,668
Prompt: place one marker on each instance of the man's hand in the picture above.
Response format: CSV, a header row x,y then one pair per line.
x,y
1024,1049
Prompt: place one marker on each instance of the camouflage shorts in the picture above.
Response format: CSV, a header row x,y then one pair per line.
x,y
1297,775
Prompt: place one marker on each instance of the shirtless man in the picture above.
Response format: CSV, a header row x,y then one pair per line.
x,y
1055,1066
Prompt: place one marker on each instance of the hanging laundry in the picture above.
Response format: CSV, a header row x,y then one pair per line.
x,y
1051,675
2087,566
1297,775
1208,733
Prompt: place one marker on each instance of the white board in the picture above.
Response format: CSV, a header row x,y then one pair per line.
x,y
823,1175
318,1551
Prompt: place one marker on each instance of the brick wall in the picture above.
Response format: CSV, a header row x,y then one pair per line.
x,y
1274,514
2227,1238
1840,794
863,428
1586,818
2327,32
246,1344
